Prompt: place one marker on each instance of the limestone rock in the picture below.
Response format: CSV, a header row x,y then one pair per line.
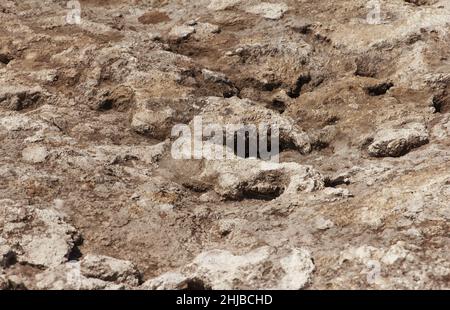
x,y
361,178
218,5
20,97
264,267
235,111
68,276
252,178
167,281
181,32
268,10
398,141
109,269
156,117
35,154
39,237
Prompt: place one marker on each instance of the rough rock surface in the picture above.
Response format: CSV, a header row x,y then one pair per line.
x,y
258,269
109,269
397,142
92,198
38,237
70,276
238,179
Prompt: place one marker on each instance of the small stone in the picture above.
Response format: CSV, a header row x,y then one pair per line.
x,y
35,154
323,224
110,269
181,32
214,77
191,22
395,253
167,281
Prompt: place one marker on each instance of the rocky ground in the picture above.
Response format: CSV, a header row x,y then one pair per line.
x,y
91,198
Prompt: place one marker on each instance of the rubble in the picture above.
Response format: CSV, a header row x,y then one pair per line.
x,y
103,184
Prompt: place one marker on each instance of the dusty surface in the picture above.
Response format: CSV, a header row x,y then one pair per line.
x,y
90,196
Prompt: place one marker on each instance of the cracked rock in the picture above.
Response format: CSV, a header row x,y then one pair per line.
x,y
20,97
398,141
264,267
68,276
39,237
110,269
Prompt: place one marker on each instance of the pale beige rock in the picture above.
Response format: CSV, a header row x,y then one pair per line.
x,y
35,154
268,10
218,5
260,268
398,141
109,269
362,180
68,276
48,239
181,32
167,281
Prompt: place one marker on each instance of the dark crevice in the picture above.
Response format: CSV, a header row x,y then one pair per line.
x,y
5,58
197,186
106,105
8,259
295,91
75,253
379,89
277,105
196,285
268,196
266,187
440,102
336,181
319,145
271,86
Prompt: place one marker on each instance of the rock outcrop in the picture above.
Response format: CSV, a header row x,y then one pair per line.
x,y
261,268
332,122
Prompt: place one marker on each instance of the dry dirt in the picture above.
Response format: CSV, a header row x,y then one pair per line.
x,y
360,199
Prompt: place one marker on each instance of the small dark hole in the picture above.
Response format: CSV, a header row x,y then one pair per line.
x,y
196,285
296,90
379,89
5,59
278,105
106,105
440,102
